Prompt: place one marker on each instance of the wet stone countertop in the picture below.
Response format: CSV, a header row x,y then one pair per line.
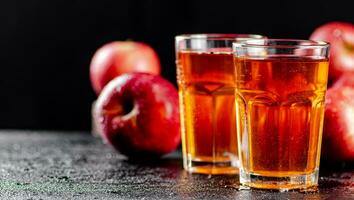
x,y
74,165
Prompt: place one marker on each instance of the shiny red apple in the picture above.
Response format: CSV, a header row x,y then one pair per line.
x,y
116,58
341,37
338,130
138,114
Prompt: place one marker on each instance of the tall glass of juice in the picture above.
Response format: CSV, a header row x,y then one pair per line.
x,y
280,92
205,75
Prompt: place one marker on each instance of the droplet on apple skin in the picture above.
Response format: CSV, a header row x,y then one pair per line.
x,y
148,123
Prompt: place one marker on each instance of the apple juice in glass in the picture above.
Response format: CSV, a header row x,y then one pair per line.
x,y
280,92
205,74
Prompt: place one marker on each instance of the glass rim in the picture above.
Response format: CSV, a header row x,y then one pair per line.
x,y
218,36
300,43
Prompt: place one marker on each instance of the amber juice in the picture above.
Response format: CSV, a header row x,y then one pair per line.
x,y
280,110
207,103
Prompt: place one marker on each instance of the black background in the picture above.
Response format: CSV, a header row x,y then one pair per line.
x,y
46,45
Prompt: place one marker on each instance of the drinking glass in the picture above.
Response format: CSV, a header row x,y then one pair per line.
x,y
280,92
205,74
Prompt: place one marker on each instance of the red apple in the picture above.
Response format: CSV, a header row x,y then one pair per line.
x,y
341,37
338,130
346,79
138,114
116,58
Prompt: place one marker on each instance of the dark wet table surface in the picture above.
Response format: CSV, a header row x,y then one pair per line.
x,y
74,165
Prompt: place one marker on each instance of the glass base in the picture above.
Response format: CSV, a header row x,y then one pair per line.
x,y
281,183
213,168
